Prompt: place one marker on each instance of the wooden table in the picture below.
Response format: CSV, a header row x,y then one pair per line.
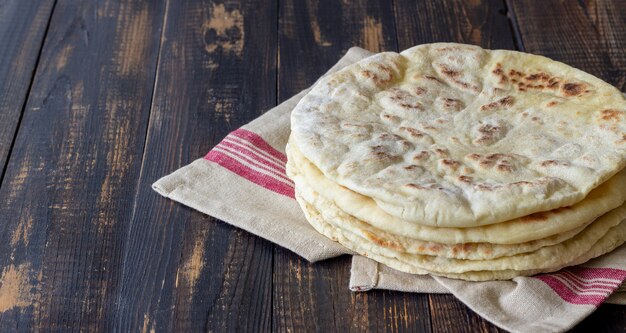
x,y
98,99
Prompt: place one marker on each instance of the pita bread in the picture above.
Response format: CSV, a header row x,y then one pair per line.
x,y
386,240
548,259
606,197
452,135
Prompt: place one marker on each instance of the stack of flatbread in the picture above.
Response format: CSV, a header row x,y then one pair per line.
x,y
453,160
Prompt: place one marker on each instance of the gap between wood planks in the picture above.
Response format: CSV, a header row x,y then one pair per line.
x,y
28,90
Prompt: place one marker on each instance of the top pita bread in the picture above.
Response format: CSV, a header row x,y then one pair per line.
x,y
453,135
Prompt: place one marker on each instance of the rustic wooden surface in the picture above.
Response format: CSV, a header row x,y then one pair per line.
x,y
101,98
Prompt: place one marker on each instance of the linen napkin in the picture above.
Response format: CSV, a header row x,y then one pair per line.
x,y
242,181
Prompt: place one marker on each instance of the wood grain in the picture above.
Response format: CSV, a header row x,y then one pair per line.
x,y
315,34
481,22
71,178
448,314
184,271
22,28
608,318
589,35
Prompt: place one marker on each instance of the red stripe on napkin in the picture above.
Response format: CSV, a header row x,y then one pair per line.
x,y
248,152
249,156
258,142
581,285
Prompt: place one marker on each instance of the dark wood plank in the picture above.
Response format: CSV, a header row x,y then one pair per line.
x,y
315,34
590,35
390,311
608,318
184,271
482,23
22,28
315,297
67,194
448,314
